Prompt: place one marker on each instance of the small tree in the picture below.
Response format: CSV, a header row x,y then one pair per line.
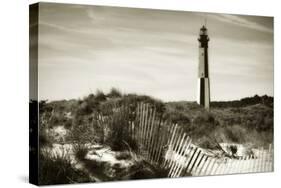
x,y
114,93
100,96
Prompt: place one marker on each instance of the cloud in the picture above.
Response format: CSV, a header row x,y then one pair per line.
x,y
238,20
63,28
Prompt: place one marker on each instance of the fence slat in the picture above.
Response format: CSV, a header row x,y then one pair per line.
x,y
179,169
147,127
199,164
172,149
162,143
171,141
209,172
156,141
151,134
174,163
190,159
205,167
195,161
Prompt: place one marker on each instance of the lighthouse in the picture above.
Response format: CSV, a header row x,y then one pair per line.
x,y
203,97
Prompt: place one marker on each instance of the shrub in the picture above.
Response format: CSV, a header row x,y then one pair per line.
x,y
207,142
178,117
57,119
233,149
44,107
203,124
236,134
90,103
84,108
145,170
100,96
114,93
68,124
118,137
57,169
80,151
82,132
97,168
133,99
44,140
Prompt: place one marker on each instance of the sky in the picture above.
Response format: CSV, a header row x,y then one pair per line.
x,y
152,52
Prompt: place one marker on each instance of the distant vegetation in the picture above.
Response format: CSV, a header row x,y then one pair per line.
x,y
265,100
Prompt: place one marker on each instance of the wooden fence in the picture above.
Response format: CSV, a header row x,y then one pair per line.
x,y
168,146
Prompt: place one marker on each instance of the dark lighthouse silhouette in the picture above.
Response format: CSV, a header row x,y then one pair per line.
x,y
203,97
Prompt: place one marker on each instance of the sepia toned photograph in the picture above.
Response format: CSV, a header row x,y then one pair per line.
x,y
122,93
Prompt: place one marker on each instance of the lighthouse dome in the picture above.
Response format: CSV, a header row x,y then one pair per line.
x,y
203,30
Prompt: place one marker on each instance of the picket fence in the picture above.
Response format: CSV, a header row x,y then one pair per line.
x,y
168,146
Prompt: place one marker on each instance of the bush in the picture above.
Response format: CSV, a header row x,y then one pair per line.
x,y
90,103
207,142
117,135
68,124
233,149
114,93
80,151
57,169
57,119
97,168
44,140
178,117
83,131
203,124
84,108
100,96
134,99
236,134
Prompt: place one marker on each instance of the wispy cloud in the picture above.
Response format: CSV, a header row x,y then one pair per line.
x,y
240,21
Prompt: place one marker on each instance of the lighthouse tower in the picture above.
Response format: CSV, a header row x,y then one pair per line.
x,y
203,97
